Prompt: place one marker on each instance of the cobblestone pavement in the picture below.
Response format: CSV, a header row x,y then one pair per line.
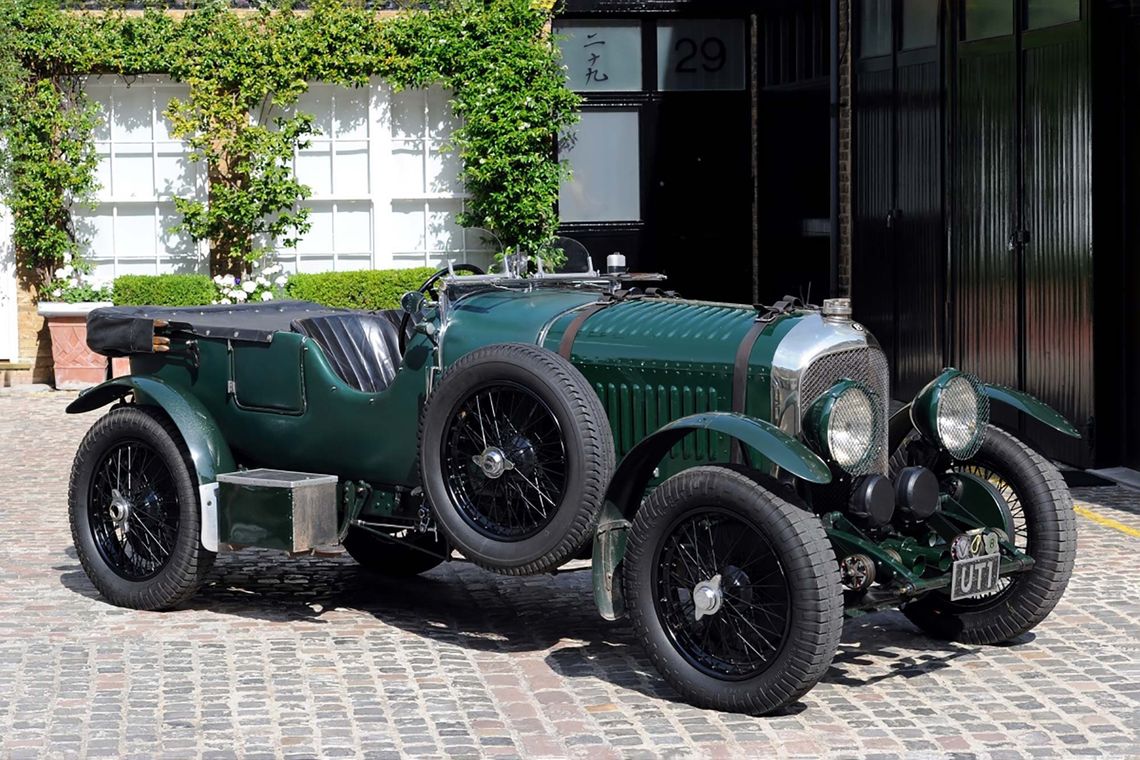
x,y
310,657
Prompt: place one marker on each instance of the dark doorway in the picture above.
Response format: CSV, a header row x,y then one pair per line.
x,y
703,148
700,195
793,194
662,157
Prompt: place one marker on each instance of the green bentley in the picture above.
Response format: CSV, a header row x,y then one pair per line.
x,y
734,471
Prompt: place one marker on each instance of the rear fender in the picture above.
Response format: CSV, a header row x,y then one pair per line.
x,y
208,448
627,487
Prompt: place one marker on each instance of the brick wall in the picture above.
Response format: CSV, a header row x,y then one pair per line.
x,y
35,343
845,176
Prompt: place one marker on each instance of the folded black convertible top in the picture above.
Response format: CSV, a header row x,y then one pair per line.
x,y
125,330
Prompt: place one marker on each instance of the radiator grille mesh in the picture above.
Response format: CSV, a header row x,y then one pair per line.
x,y
867,366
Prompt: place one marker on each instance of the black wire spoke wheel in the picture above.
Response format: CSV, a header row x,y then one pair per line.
x,y
133,510
1043,527
733,591
516,453
505,461
722,593
133,503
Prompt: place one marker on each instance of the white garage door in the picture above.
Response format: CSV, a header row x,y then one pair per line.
x,y
384,193
141,169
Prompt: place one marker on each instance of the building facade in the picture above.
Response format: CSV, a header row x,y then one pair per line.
x,y
962,167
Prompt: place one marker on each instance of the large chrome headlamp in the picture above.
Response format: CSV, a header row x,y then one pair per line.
x,y
845,425
952,412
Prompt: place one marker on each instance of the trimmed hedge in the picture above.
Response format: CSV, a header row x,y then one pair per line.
x,y
163,290
360,289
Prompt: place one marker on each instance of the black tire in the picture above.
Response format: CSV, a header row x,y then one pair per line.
x,y
396,558
807,598
566,437
153,563
1046,512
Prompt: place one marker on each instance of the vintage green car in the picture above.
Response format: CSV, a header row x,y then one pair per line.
x,y
733,469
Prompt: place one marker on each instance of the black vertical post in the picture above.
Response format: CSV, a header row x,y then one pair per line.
x,y
833,289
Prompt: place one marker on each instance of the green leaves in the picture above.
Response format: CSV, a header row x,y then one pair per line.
x,y
245,71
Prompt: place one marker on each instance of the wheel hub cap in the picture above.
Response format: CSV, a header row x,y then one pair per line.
x,y
707,597
120,508
493,462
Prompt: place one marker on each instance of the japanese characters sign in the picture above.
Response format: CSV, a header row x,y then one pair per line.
x,y
601,56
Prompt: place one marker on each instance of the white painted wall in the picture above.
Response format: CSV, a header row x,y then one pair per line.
x,y
9,341
384,193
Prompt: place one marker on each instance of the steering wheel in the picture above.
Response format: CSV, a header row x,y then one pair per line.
x,y
429,285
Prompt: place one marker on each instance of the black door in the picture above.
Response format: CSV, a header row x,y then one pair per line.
x,y
662,157
700,195
899,271
1022,209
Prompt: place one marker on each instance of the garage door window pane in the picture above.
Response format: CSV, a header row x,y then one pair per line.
x,y
919,24
875,28
1052,12
606,184
988,18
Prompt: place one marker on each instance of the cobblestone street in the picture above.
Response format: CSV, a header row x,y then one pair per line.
x,y
313,657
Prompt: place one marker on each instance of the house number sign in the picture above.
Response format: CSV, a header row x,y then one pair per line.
x,y
700,54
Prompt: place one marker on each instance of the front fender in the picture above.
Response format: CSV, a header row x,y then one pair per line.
x,y
636,469
208,448
1035,408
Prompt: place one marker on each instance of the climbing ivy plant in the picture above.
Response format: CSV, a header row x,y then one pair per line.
x,y
245,73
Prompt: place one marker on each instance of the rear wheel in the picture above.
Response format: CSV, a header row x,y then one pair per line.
x,y
1041,512
134,512
733,591
396,557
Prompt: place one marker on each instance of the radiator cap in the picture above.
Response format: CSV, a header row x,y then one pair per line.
x,y
837,308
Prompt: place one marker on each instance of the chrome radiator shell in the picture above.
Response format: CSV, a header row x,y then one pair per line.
x,y
817,353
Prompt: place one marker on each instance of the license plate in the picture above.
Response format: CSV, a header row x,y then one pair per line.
x,y
975,576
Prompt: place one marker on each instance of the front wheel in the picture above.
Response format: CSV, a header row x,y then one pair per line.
x,y
133,506
734,592
1044,527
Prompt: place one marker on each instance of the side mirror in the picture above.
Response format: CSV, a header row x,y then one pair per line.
x,y
412,302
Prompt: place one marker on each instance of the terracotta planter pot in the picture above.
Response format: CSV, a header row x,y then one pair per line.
x,y
76,366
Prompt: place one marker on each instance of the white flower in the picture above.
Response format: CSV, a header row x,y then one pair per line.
x,y
226,301
57,293
239,296
267,296
281,280
262,282
60,274
217,279
66,258
228,281
271,270
73,282
249,286
67,270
